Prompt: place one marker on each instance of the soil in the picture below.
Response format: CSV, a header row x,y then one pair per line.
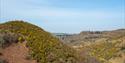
x,y
16,53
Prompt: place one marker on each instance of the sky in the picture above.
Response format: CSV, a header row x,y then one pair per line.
x,y
66,16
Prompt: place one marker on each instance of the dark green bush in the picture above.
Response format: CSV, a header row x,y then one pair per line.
x,y
7,38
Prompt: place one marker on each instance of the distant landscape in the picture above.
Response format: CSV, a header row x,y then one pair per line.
x,y
103,45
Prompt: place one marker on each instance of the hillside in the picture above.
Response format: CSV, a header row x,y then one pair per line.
x,y
106,46
42,46
92,36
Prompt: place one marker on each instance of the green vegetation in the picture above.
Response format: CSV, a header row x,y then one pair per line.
x,y
103,51
104,46
43,47
106,50
7,38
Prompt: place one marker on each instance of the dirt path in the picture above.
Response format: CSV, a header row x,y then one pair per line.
x,y
16,53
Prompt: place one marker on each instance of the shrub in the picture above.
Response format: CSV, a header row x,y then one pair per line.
x,y
7,38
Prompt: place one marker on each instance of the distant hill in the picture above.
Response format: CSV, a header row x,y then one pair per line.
x,y
18,37
92,36
106,46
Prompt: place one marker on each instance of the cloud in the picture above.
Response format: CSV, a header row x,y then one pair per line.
x,y
41,8
67,13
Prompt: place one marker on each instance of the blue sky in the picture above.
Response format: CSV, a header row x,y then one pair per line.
x,y
68,16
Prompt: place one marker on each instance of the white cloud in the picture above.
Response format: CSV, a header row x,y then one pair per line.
x,y
31,8
68,13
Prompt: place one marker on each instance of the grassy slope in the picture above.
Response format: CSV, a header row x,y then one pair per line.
x,y
105,46
43,47
105,51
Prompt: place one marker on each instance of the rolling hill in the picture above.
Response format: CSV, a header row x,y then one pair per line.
x,y
21,39
106,46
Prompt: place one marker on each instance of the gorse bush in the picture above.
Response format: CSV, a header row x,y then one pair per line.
x,y
43,47
7,38
104,51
